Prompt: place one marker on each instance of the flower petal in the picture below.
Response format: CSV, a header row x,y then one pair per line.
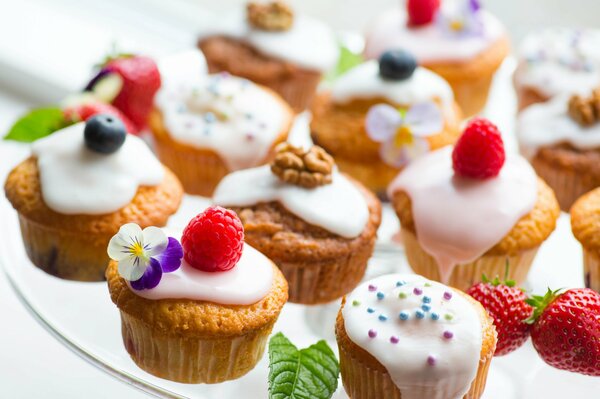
x,y
120,244
425,119
381,122
150,278
170,259
155,241
393,155
418,148
132,267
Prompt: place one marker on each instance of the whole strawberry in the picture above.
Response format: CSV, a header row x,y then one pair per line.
x,y
506,305
84,111
566,329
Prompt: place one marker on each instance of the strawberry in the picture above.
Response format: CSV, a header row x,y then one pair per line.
x,y
506,305
566,329
84,111
421,12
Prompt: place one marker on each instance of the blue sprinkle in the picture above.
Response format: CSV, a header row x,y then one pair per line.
x,y
209,117
370,310
206,131
426,299
400,283
403,315
380,295
425,307
419,314
382,317
435,316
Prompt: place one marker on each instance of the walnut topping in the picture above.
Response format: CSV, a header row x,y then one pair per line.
x,y
306,168
270,16
585,110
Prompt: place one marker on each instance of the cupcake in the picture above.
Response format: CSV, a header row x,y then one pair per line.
x,y
557,61
205,128
472,210
459,40
316,224
381,115
79,186
561,137
274,47
403,336
201,319
585,223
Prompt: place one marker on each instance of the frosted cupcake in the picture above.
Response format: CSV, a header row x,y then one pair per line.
x,y
201,319
403,336
459,40
316,224
383,114
79,186
585,222
208,127
472,210
274,47
557,61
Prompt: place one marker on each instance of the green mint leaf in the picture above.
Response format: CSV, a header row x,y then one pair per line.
x,y
38,123
346,62
310,373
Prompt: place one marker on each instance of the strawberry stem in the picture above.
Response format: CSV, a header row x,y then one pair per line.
x,y
539,304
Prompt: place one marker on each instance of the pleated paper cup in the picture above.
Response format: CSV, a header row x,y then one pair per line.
x,y
591,269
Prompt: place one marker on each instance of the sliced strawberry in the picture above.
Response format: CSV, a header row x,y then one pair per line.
x,y
84,111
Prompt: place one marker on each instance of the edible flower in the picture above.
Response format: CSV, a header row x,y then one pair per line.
x,y
144,255
463,19
403,132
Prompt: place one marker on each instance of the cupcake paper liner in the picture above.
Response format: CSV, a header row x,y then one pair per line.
x,y
591,269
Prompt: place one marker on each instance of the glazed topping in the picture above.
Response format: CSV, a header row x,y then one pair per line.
x,y
326,206
305,168
272,16
181,69
77,180
397,65
585,110
426,335
104,133
474,215
231,116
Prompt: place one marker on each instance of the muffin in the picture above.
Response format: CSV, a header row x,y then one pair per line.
x,y
78,187
316,224
585,223
561,138
202,319
403,336
215,125
472,210
379,116
557,61
460,41
274,47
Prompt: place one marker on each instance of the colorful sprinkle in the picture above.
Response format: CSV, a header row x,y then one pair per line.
x,y
394,339
417,291
355,302
249,136
402,295
372,333
382,317
209,117
426,299
403,315
372,288
448,334
427,284
431,360
370,310
426,307
380,295
448,316
435,316
447,295
419,314
400,283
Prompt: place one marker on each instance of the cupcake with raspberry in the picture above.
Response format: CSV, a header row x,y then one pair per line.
x,y
403,336
196,312
585,223
207,127
471,210
457,39
316,224
272,46
79,186
383,114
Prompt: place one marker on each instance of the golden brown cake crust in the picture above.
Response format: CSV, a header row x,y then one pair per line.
x,y
199,319
151,206
529,232
585,220
565,156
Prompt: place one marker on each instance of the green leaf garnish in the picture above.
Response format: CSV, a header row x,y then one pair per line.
x,y
38,123
309,373
346,62
539,303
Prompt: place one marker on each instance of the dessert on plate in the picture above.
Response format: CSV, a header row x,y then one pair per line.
x,y
403,336
196,312
272,46
79,186
383,114
585,223
457,39
316,224
472,210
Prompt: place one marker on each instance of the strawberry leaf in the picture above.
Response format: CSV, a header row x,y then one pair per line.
x,y
539,304
38,123
347,61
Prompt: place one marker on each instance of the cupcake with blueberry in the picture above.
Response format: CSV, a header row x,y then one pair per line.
x,y
473,210
403,336
273,46
457,39
207,127
79,186
199,311
318,225
381,115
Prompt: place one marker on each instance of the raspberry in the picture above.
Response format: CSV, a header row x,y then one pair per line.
x,y
421,12
479,152
213,240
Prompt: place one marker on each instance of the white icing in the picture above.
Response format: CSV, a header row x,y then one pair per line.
x,y
309,43
458,219
252,118
76,180
549,123
364,81
183,68
249,281
456,359
338,207
428,43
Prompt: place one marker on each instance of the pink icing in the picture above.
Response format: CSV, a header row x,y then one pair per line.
x,y
458,219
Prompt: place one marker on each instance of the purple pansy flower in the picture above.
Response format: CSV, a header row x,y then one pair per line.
x,y
403,132
144,255
464,19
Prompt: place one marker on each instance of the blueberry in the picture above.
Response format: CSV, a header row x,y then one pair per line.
x,y
104,133
397,65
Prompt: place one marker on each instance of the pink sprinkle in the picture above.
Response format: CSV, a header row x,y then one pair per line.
x,y
447,295
448,334
372,333
417,291
394,339
372,287
431,360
